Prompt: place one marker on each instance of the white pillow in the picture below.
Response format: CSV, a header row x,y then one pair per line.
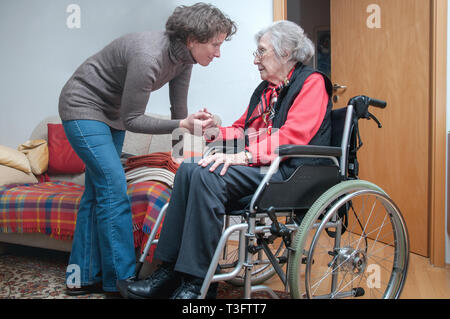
x,y
14,159
10,175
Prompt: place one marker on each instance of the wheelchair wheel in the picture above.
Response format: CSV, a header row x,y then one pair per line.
x,y
262,269
353,242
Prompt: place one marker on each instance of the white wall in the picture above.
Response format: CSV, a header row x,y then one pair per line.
x,y
39,53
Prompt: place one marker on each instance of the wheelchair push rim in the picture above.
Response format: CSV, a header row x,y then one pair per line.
x,y
364,257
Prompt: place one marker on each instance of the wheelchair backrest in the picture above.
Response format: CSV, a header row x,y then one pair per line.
x,y
311,181
337,126
344,128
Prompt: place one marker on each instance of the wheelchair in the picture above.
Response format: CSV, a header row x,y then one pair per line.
x,y
324,232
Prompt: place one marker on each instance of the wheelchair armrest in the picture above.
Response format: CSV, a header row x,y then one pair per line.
x,y
309,150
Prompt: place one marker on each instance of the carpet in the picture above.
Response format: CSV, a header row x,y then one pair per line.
x,y
34,273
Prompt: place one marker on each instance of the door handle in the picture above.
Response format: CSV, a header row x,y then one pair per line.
x,y
339,87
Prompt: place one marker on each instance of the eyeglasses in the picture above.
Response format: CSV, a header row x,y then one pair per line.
x,y
260,53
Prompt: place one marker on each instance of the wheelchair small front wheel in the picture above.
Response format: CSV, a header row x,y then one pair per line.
x,y
353,242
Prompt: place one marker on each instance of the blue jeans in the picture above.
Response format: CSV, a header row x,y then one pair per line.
x,y
103,246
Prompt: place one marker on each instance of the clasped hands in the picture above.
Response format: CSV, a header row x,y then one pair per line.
x,y
204,122
199,122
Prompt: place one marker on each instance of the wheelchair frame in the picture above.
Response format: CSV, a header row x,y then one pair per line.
x,y
249,230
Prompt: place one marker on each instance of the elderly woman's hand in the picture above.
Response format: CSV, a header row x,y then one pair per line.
x,y
226,159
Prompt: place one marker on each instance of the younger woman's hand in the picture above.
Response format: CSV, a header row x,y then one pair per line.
x,y
197,123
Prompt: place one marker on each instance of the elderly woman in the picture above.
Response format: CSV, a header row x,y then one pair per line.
x,y
107,95
291,106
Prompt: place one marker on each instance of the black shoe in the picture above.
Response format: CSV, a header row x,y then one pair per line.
x,y
191,287
212,291
84,290
122,285
112,295
160,285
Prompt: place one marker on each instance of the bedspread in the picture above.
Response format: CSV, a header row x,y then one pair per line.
x,y
50,208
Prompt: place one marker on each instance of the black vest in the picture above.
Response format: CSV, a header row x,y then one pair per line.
x,y
285,99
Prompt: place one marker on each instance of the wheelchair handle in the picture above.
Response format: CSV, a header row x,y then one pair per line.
x,y
361,106
377,103
362,102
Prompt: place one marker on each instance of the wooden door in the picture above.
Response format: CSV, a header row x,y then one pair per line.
x,y
382,49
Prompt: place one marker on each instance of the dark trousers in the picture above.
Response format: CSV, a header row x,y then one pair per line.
x,y
194,219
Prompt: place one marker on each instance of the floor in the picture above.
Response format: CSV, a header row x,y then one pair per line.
x,y
424,281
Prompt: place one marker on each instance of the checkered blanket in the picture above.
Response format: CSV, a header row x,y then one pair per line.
x,y
50,208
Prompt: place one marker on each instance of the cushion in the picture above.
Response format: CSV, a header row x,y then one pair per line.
x,y
41,129
37,154
9,175
62,157
136,143
14,159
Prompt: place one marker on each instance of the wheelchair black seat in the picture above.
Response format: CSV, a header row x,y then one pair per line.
x,y
300,190
304,186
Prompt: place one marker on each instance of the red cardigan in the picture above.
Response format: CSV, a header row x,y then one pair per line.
x,y
303,121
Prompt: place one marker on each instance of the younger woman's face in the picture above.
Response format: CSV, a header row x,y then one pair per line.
x,y
204,53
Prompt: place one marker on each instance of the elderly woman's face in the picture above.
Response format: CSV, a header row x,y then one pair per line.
x,y
270,67
204,53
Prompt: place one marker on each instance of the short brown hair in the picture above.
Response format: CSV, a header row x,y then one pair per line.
x,y
200,22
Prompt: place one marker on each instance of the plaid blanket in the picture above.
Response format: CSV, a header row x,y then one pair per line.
x,y
50,208
150,197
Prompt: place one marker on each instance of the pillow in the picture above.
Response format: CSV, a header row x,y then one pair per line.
x,y
10,175
14,159
62,157
37,154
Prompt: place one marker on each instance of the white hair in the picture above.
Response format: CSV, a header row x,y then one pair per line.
x,y
289,38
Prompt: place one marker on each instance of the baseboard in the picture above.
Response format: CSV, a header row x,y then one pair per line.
x,y
36,240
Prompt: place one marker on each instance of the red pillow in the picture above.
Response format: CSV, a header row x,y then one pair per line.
x,y
62,159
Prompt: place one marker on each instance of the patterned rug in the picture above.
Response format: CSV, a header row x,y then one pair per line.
x,y
33,273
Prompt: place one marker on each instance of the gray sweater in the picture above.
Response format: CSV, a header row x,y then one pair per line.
x,y
114,85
